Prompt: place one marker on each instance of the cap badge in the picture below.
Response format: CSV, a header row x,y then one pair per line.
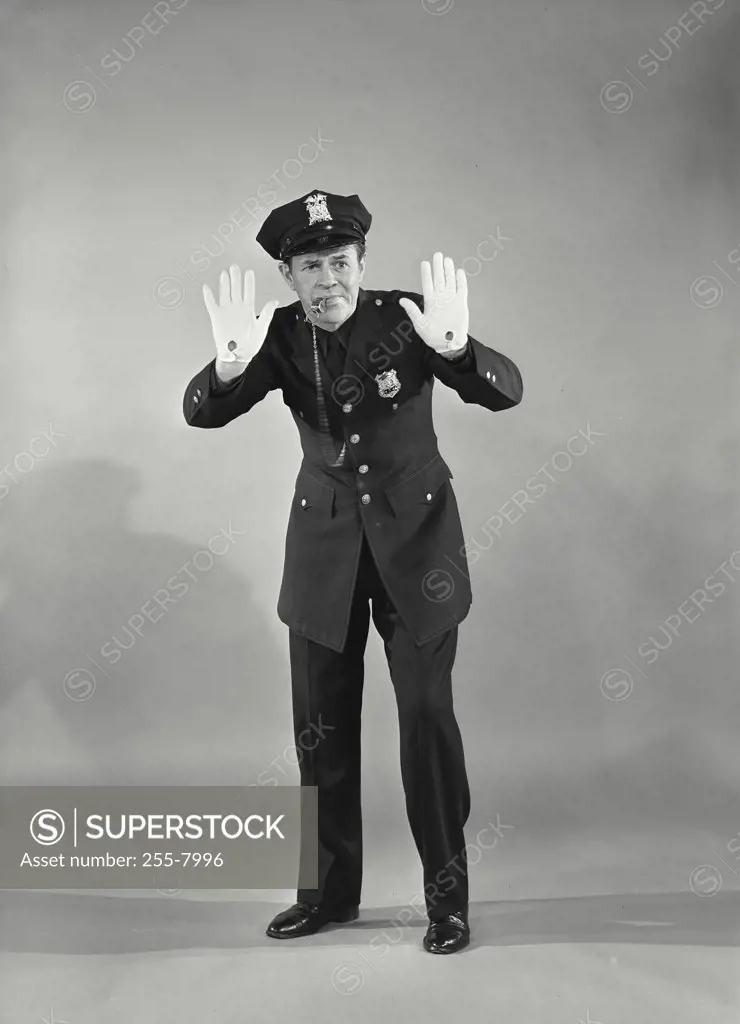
x,y
388,384
317,209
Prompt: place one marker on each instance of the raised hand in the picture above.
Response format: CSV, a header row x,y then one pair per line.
x,y
444,323
237,332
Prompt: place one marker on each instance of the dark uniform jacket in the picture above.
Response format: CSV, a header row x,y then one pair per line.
x,y
393,484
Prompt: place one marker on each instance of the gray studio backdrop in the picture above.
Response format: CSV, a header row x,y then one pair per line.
x,y
580,160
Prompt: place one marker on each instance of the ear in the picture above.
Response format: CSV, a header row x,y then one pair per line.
x,y
362,265
287,276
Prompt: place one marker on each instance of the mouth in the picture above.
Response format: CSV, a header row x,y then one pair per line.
x,y
320,305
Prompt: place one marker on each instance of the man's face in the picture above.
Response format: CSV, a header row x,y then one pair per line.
x,y
334,276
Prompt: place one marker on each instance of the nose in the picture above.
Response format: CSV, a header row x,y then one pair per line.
x,y
326,277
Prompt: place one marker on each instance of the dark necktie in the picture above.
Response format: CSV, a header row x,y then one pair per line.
x,y
333,347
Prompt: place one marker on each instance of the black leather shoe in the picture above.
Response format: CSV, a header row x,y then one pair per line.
x,y
307,918
449,934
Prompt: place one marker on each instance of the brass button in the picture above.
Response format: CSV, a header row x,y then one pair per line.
x,y
354,438
429,496
395,405
378,302
491,376
363,468
303,502
347,407
198,392
365,499
195,398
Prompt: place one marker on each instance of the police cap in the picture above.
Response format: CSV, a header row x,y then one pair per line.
x,y
318,220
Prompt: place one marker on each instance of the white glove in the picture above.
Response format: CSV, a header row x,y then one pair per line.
x,y
444,323
237,332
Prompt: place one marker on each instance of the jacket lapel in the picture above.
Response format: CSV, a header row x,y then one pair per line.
x,y
368,331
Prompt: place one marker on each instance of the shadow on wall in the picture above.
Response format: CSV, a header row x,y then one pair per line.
x,y
128,657
712,150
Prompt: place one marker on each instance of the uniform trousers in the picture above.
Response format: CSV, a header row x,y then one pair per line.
x,y
327,697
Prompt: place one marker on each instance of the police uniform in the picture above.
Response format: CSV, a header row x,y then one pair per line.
x,y
373,522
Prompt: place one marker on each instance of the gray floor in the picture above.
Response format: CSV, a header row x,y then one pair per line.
x,y
84,958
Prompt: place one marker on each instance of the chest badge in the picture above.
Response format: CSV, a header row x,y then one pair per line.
x,y
388,384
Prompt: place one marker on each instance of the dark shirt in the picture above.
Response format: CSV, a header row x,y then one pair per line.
x,y
332,345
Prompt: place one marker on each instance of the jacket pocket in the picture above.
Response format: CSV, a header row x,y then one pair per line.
x,y
422,487
312,496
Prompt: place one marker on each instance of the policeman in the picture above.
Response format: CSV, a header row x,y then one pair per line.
x,y
374,527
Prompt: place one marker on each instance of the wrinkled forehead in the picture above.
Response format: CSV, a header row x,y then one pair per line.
x,y
337,251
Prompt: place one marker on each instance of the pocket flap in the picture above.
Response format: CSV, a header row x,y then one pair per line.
x,y
313,493
422,486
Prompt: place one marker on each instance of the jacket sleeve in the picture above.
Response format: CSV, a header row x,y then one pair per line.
x,y
482,377
488,378
211,403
